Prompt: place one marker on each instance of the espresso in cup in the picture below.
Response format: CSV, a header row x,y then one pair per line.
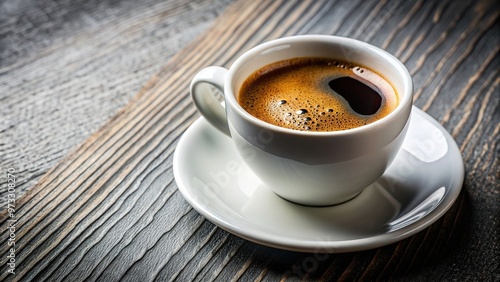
x,y
317,94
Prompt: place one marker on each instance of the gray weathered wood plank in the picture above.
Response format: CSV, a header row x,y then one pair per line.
x,y
110,210
67,67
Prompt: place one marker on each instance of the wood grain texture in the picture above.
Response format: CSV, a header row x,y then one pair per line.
x,y
67,67
110,210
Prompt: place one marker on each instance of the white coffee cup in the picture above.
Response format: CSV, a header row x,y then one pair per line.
x,y
309,168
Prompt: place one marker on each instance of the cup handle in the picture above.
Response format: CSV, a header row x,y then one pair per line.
x,y
204,98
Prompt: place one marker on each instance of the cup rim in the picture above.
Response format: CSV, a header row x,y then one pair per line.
x,y
405,101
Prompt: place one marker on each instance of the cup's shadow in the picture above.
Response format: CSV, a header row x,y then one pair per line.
x,y
388,205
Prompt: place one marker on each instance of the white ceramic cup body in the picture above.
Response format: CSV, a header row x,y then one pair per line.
x,y
310,168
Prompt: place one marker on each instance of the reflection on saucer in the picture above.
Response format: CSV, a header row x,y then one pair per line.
x,y
425,141
423,209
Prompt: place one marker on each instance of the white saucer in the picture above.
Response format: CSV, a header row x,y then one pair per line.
x,y
418,188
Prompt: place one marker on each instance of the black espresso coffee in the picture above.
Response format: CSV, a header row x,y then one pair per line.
x,y
317,94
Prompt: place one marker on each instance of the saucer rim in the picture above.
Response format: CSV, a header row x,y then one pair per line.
x,y
328,246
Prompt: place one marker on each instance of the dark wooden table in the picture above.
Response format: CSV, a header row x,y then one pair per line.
x,y
94,97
